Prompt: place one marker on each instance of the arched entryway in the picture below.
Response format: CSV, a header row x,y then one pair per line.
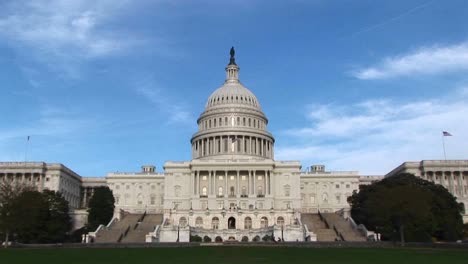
x,y
232,223
218,239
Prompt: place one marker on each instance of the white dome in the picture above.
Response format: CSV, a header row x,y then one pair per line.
x,y
233,123
232,93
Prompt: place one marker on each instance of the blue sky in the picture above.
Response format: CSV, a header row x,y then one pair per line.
x,y
110,85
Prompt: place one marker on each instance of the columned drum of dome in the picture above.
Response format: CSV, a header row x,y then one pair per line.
x,y
233,124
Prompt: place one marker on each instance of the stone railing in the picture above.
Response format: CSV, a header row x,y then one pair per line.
x,y
361,228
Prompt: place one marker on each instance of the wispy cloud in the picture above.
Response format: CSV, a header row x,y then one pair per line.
x,y
54,126
172,108
376,135
63,33
428,60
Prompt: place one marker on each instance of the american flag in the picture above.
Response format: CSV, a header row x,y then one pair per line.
x,y
446,134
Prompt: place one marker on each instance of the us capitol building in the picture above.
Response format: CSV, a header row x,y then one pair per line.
x,y
232,189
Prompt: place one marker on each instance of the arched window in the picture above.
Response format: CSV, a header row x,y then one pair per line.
x,y
215,223
204,191
248,223
280,221
244,190
263,222
199,222
140,199
220,191
231,191
183,221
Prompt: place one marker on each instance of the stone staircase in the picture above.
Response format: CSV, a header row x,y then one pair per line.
x,y
343,227
117,229
138,232
315,224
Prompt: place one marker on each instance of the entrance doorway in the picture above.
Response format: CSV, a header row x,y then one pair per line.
x,y
231,223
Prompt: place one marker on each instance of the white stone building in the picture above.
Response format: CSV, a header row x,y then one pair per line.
x,y
232,189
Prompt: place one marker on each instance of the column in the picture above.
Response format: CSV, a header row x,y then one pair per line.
x,y
237,185
215,145
225,184
254,182
192,185
267,181
41,182
250,148
203,148
198,182
85,196
461,184
209,183
451,185
249,183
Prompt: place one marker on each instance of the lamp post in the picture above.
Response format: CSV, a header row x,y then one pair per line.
x,y
178,231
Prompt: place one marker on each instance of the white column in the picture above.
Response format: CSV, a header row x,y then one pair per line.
x,y
249,183
237,185
215,145
85,196
192,183
198,183
255,182
450,180
209,182
267,181
225,184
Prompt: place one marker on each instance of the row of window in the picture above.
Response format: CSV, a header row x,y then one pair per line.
x,y
325,186
251,145
140,187
204,191
325,198
232,121
231,222
233,99
139,200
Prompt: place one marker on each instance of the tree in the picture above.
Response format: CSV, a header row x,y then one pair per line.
x,y
9,191
30,213
59,221
101,207
409,208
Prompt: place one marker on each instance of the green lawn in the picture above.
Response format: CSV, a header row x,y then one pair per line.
x,y
238,255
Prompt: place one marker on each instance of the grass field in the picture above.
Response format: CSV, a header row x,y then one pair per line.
x,y
238,255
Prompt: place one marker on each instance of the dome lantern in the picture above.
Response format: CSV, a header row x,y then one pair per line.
x,y
232,70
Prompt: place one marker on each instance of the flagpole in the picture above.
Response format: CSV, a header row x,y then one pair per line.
x,y
443,145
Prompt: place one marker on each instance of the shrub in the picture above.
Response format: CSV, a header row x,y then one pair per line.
x,y
195,238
